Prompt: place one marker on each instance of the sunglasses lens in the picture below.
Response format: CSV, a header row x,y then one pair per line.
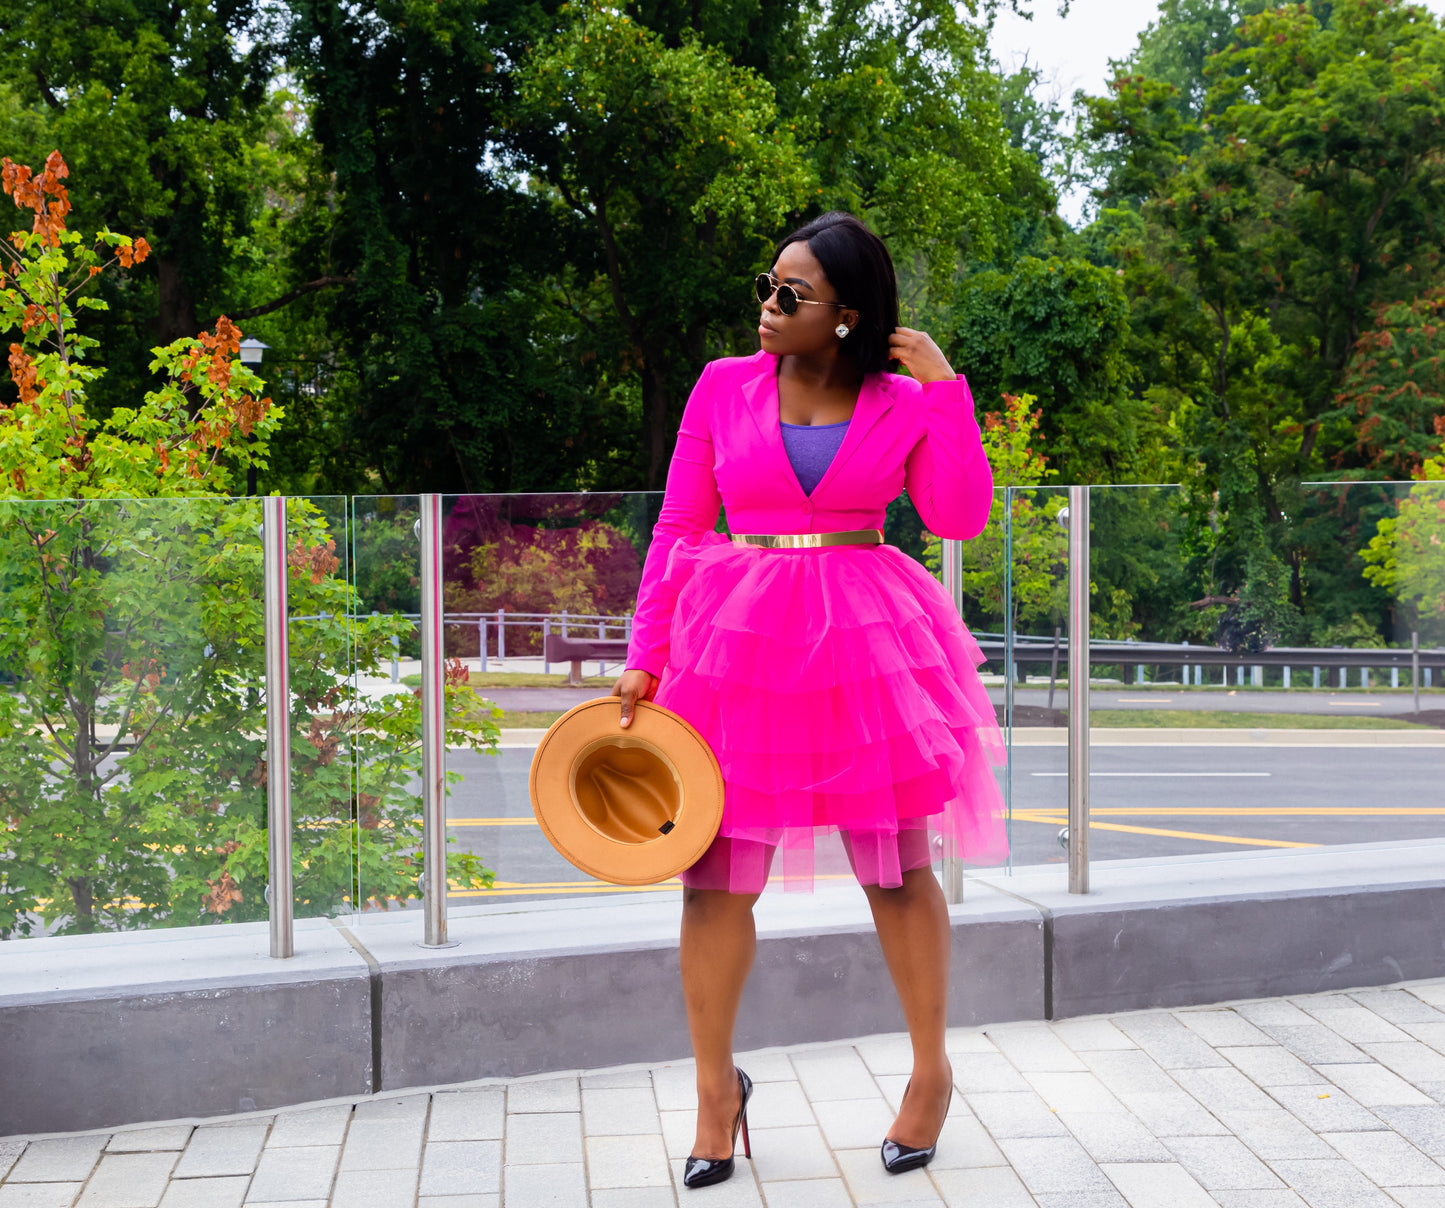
x,y
787,295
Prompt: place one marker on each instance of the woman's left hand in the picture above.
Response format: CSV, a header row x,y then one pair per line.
x,y
920,355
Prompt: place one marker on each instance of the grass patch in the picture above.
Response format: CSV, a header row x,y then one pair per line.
x,y
521,679
1210,719
511,719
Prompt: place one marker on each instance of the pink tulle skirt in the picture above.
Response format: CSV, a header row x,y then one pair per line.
x,y
839,690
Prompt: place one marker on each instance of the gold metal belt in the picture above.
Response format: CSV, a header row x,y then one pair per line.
x,y
809,540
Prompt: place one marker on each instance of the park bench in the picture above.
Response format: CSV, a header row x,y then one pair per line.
x,y
559,649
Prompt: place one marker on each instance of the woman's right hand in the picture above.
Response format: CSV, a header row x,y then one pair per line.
x,y
633,685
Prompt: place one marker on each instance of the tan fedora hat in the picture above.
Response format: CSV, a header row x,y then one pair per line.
x,y
632,806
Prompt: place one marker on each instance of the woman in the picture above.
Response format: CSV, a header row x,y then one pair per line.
x,y
830,673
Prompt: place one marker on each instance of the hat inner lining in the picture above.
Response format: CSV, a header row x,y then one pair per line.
x,y
626,789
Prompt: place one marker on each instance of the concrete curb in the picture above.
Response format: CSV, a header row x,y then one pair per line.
x,y
107,1030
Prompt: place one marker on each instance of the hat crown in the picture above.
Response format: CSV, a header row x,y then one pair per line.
x,y
627,792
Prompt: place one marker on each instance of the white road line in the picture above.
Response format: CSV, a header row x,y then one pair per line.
x,y
1183,775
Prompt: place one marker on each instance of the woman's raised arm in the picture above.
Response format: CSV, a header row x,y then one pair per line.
x,y
690,505
947,474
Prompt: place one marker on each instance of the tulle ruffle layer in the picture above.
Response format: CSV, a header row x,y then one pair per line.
x,y
838,688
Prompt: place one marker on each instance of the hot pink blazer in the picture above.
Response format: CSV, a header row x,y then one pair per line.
x,y
730,453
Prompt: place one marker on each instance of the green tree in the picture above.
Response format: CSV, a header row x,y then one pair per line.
x,y
1015,573
674,157
1057,329
1259,230
468,355
172,119
1392,400
132,781
1406,557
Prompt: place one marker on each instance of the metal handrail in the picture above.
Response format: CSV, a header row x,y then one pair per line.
x,y
1035,650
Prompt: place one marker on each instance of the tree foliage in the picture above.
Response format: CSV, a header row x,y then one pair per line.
x,y
1262,224
131,641
491,245
675,159
1015,573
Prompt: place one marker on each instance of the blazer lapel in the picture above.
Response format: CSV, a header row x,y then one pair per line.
x,y
874,400
760,401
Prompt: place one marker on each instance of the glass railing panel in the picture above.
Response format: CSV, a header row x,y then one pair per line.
x,y
540,593
327,711
132,715
1253,685
1033,688
385,732
979,581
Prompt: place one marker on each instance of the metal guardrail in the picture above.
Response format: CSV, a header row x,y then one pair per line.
x,y
1169,654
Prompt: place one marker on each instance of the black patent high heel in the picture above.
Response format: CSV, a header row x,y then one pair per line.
x,y
897,1158
702,1172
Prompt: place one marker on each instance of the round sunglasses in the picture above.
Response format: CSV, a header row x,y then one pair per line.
x,y
765,285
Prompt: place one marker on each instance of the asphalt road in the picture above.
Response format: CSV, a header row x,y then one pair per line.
x,y
1238,699
1145,801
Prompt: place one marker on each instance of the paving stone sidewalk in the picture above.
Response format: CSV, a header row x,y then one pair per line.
x,y
1328,1100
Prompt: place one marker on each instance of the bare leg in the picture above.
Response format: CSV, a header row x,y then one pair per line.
x,y
913,929
717,947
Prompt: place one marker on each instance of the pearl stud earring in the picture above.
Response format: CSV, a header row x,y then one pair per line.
x,y
841,331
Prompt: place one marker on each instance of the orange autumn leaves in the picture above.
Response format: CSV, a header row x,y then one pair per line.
x,y
44,194
208,405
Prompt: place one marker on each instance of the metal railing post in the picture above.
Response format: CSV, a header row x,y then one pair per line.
x,y
278,726
1415,666
1078,689
433,730
952,564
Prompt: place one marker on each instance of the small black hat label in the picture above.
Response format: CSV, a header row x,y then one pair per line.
x,y
666,827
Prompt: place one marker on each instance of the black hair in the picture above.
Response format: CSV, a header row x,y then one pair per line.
x,y
861,271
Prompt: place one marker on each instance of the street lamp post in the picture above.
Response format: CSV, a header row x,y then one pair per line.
x,y
251,354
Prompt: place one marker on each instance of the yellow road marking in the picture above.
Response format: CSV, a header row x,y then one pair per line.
x,y
492,821
503,888
508,890
1354,704
1244,841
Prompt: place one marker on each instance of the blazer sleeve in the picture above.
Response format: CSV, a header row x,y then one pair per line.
x,y
947,473
690,506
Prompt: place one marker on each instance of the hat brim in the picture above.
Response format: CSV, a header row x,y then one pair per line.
x,y
685,780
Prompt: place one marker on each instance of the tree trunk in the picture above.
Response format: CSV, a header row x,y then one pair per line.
x,y
84,894
656,409
176,315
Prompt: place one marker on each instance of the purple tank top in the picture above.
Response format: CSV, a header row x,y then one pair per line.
x,y
811,448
